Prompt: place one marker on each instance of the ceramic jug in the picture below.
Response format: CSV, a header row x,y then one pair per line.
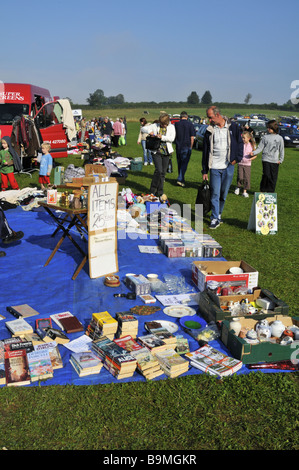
x,y
277,328
263,330
235,325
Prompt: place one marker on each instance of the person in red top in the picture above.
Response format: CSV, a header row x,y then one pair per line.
x,y
118,131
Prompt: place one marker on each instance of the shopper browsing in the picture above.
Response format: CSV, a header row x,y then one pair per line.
x,y
244,166
7,166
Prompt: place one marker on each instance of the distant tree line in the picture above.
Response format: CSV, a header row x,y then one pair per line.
x,y
97,100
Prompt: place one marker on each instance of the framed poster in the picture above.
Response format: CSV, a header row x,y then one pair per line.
x,y
102,228
263,215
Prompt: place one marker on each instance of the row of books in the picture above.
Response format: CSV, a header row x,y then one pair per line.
x,y
21,362
180,244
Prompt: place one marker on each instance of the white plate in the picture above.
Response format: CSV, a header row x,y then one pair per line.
x,y
179,311
170,326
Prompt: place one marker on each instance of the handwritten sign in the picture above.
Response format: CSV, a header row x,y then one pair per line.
x,y
102,228
263,216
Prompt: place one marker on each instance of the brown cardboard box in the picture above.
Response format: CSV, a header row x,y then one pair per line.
x,y
265,351
94,169
203,271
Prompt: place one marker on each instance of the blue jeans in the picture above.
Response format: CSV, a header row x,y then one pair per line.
x,y
183,156
147,155
220,181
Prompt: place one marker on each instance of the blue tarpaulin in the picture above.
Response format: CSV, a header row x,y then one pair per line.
x,y
50,289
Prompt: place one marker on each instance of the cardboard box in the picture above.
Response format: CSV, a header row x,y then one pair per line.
x,y
203,271
265,351
94,169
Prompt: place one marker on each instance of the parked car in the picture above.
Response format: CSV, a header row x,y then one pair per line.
x,y
200,132
258,127
290,136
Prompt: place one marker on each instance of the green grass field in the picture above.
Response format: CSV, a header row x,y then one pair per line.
x,y
253,412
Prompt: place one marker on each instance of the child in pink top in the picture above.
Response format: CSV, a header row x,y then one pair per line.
x,y
244,166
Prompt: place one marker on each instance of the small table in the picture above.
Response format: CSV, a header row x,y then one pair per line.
x,y
73,218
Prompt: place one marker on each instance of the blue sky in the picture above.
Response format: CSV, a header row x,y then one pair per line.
x,y
153,50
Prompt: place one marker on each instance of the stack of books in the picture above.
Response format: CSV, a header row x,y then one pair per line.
x,y
102,324
147,364
116,360
155,328
214,362
172,363
152,343
54,353
127,325
86,363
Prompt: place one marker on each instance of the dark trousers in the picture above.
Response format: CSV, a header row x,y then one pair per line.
x,y
183,157
161,165
5,229
269,177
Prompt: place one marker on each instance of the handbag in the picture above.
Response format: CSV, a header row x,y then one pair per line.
x,y
204,197
152,142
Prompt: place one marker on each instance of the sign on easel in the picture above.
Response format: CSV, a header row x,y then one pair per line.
x,y
263,215
102,229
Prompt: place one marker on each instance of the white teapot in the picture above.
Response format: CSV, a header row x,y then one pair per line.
x,y
263,330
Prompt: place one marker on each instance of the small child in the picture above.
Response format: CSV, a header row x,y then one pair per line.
x,y
46,164
7,166
244,166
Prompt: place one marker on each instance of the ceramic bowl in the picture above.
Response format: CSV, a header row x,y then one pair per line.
x,y
152,277
236,270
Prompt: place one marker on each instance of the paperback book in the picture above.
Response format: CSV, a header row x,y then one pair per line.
x,y
23,310
214,362
16,368
86,363
19,326
40,365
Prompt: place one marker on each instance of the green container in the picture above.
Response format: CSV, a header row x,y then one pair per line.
x,y
136,165
265,351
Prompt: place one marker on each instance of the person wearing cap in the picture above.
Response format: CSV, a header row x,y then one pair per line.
x,y
184,139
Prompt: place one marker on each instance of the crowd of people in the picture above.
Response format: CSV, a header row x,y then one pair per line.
x,y
225,145
114,131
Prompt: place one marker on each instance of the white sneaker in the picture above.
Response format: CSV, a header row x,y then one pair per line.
x,y
245,195
145,163
151,163
237,191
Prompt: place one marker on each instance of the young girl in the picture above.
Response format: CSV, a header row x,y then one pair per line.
x,y
46,164
7,166
244,166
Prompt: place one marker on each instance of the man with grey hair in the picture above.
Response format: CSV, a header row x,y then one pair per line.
x,y
184,140
222,149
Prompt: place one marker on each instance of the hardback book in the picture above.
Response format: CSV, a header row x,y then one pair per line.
x,y
71,324
19,327
54,353
214,362
153,343
40,365
56,317
16,368
2,364
23,310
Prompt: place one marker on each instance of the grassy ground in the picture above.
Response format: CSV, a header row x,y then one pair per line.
x,y
256,411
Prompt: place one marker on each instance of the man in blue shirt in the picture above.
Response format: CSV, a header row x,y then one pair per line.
x,y
184,140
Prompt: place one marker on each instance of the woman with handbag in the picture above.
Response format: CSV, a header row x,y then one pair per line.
x,y
163,134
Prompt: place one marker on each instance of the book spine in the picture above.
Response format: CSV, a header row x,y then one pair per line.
x,y
14,312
